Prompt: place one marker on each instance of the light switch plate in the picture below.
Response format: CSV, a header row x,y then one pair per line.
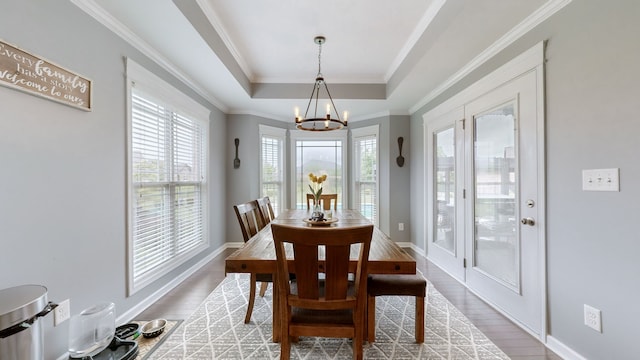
x,y
601,179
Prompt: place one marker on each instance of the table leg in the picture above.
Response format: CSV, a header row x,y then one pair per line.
x,y
277,328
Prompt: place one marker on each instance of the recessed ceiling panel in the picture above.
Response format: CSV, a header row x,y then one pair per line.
x,y
274,38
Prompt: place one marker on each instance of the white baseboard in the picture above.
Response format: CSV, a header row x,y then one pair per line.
x,y
562,350
404,244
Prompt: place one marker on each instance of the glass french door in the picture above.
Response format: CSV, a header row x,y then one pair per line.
x,y
484,202
502,213
444,178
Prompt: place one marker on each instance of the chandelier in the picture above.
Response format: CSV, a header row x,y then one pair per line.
x,y
315,123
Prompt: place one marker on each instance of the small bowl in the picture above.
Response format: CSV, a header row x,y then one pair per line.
x,y
153,328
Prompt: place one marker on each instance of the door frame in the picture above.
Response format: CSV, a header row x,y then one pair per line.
x,y
530,60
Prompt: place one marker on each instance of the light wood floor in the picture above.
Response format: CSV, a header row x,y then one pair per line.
x,y
515,342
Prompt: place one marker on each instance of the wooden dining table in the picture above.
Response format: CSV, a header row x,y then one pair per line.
x,y
258,254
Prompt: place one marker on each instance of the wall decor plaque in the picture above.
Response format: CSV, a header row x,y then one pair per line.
x,y
32,74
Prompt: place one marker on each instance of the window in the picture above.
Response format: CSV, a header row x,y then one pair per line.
x,y
167,177
365,192
444,187
272,165
323,153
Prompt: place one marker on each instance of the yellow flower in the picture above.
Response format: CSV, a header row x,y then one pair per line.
x,y
316,184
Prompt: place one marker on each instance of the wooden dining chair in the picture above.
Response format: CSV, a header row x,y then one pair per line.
x,y
266,210
250,219
322,301
325,199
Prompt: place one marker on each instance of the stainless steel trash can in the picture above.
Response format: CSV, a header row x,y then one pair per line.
x,y
20,332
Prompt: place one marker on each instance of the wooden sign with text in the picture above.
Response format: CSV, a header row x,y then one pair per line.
x,y
23,71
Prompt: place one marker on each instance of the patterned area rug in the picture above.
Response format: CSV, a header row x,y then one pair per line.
x,y
216,330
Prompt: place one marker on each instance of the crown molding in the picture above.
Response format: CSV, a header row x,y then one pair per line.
x,y
252,112
424,23
211,15
533,20
103,17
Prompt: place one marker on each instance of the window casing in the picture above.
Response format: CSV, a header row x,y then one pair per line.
x,y
365,172
272,165
168,191
319,153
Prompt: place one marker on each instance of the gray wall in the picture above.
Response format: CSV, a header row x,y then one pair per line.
x,y
63,174
592,92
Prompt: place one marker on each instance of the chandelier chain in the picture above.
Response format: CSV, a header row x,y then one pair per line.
x,y
319,55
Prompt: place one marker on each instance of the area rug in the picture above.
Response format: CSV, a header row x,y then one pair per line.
x,y
216,330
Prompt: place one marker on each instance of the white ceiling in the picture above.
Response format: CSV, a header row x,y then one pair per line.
x,y
258,57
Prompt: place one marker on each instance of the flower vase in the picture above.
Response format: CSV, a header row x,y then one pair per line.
x,y
317,214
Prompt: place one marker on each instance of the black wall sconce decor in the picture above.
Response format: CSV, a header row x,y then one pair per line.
x,y
400,158
236,161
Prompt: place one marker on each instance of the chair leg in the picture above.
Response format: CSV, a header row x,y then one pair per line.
x,y
357,340
252,298
285,343
371,318
419,320
263,288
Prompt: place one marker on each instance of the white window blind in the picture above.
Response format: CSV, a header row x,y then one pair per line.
x,y
365,145
168,167
272,165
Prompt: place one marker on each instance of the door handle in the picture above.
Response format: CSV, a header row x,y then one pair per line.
x,y
528,221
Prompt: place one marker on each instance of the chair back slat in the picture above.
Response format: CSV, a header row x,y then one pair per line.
x,y
337,272
306,265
